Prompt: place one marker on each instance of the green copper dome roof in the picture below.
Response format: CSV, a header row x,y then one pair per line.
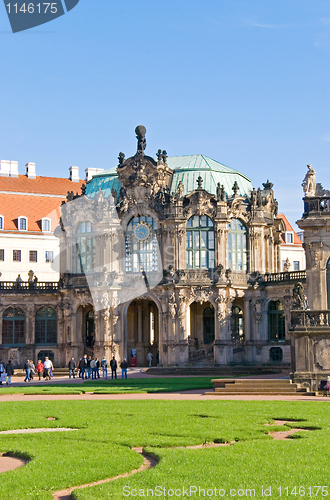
x,y
186,169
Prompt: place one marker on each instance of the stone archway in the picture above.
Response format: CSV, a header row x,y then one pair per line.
x,y
143,331
86,326
202,333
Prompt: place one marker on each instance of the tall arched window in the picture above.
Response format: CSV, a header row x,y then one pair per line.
x,y
200,242
208,325
85,248
237,330
237,246
46,326
141,245
13,326
276,321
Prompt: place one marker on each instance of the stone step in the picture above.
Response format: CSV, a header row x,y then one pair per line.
x,y
247,390
255,393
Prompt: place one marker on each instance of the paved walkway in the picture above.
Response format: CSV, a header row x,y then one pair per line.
x,y
197,395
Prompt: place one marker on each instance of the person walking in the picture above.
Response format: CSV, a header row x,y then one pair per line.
x,y
27,368
92,365
40,368
72,366
32,369
149,357
104,366
124,366
83,367
113,366
89,369
9,371
97,367
47,368
2,370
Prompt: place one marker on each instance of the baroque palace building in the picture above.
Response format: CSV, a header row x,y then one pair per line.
x,y
179,256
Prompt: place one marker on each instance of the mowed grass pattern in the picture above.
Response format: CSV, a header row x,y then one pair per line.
x,y
101,448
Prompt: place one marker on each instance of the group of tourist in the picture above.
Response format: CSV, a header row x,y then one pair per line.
x,y
44,369
89,367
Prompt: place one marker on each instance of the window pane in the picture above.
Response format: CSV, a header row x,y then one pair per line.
x,y
203,239
196,259
211,240
189,260
196,239
203,221
189,239
203,259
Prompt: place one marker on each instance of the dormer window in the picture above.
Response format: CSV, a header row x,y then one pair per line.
x,y
289,237
45,225
22,223
1,222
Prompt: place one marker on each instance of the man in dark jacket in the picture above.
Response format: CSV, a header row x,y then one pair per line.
x,y
9,371
113,366
124,366
72,366
83,366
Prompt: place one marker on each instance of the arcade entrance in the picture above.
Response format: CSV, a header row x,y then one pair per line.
x,y
143,331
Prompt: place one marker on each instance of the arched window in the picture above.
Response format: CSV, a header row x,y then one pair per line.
x,y
208,325
13,326
22,223
90,329
141,245
237,331
275,354
276,321
85,248
200,242
43,354
237,246
46,326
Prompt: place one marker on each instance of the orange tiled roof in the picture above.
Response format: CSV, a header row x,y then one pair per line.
x,y
34,208
42,185
288,227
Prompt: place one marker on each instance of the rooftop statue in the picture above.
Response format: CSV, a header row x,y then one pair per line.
x,y
309,182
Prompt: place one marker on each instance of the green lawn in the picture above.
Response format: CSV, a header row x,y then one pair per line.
x,y
101,447
118,386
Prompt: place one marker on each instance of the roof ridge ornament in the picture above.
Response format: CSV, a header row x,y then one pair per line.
x,y
199,182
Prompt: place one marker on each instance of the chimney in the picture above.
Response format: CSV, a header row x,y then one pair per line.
x,y
13,169
74,174
4,168
90,171
31,170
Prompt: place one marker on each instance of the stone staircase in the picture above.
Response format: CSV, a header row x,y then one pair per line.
x,y
228,387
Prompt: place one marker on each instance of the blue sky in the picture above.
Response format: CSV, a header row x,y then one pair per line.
x,y
246,83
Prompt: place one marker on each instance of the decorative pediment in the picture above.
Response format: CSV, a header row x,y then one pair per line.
x,y
200,202
141,176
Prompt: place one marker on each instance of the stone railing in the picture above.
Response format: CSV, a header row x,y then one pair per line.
x,y
289,276
28,286
301,318
319,204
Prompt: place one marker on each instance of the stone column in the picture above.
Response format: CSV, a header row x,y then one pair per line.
x,y
139,321
247,320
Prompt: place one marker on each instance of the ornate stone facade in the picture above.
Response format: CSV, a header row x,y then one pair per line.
x,y
151,262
